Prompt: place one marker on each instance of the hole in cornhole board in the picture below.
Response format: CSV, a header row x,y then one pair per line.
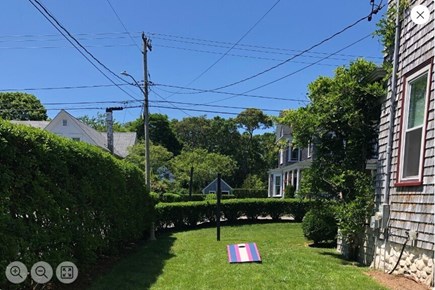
x,y
243,253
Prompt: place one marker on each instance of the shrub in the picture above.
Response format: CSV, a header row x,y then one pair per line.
x,y
65,200
250,193
320,225
289,191
184,214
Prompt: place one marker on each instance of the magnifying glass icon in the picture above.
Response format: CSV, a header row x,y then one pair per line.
x,y
40,271
16,271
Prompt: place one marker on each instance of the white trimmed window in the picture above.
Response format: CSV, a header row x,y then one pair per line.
x,y
413,126
310,150
294,154
281,156
277,185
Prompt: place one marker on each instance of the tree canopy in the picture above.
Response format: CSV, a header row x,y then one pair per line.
x,y
206,167
341,121
21,106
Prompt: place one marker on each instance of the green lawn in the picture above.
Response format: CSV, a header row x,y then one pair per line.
x,y
195,260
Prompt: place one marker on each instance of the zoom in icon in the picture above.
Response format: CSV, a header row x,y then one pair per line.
x,y
41,272
16,272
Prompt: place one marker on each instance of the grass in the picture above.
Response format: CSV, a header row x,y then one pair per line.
x,y
195,260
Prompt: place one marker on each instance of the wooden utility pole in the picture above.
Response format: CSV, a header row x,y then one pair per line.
x,y
146,46
146,121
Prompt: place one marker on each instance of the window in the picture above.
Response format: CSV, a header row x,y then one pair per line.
x,y
281,156
414,111
310,150
294,156
76,138
277,189
64,122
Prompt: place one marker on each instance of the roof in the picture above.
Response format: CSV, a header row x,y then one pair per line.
x,y
35,124
213,185
121,140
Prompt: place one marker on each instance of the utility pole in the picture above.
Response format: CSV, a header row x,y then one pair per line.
x,y
109,122
146,121
146,45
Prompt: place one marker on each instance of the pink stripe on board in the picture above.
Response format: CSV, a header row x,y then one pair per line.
x,y
248,250
229,253
237,253
258,253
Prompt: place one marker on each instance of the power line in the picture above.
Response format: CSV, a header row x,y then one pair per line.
x,y
62,88
62,30
228,93
292,73
235,44
156,36
122,23
301,53
153,101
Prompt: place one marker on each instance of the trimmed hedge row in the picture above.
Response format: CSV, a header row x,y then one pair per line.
x,y
188,214
249,193
175,197
62,200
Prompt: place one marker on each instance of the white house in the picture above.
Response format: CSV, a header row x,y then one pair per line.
x,y
64,124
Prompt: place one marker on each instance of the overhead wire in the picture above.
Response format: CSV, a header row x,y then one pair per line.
x,y
123,25
301,53
62,30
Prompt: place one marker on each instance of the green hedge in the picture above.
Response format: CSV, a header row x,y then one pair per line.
x,y
249,193
62,200
186,214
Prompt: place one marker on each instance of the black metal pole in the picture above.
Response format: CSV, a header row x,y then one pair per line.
x,y
218,208
191,182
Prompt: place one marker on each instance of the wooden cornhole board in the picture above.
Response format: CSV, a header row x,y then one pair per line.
x,y
243,253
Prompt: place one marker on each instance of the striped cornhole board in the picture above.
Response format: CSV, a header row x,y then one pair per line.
x,y
241,253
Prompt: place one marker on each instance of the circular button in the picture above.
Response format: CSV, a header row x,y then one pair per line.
x,y
67,272
420,14
41,272
16,272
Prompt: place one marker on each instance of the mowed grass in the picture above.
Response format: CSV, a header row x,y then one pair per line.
x,y
195,260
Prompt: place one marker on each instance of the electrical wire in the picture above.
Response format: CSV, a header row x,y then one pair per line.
x,y
122,23
301,53
234,45
62,31
228,93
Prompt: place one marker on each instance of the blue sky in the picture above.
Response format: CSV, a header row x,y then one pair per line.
x,y
187,38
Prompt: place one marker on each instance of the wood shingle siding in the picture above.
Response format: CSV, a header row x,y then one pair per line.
x,y
411,207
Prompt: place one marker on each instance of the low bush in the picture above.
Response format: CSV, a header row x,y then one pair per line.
x,y
320,225
186,214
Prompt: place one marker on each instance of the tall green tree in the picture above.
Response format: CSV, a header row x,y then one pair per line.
x,y
341,121
253,119
21,106
161,132
206,167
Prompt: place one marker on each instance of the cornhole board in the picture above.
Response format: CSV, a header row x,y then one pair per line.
x,y
243,253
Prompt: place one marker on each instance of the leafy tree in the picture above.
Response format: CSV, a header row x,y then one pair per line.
x,y
193,132
21,106
253,181
159,156
99,123
252,119
161,132
206,167
341,121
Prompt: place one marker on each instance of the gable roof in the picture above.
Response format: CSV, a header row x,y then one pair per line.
x,y
35,124
121,140
213,185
